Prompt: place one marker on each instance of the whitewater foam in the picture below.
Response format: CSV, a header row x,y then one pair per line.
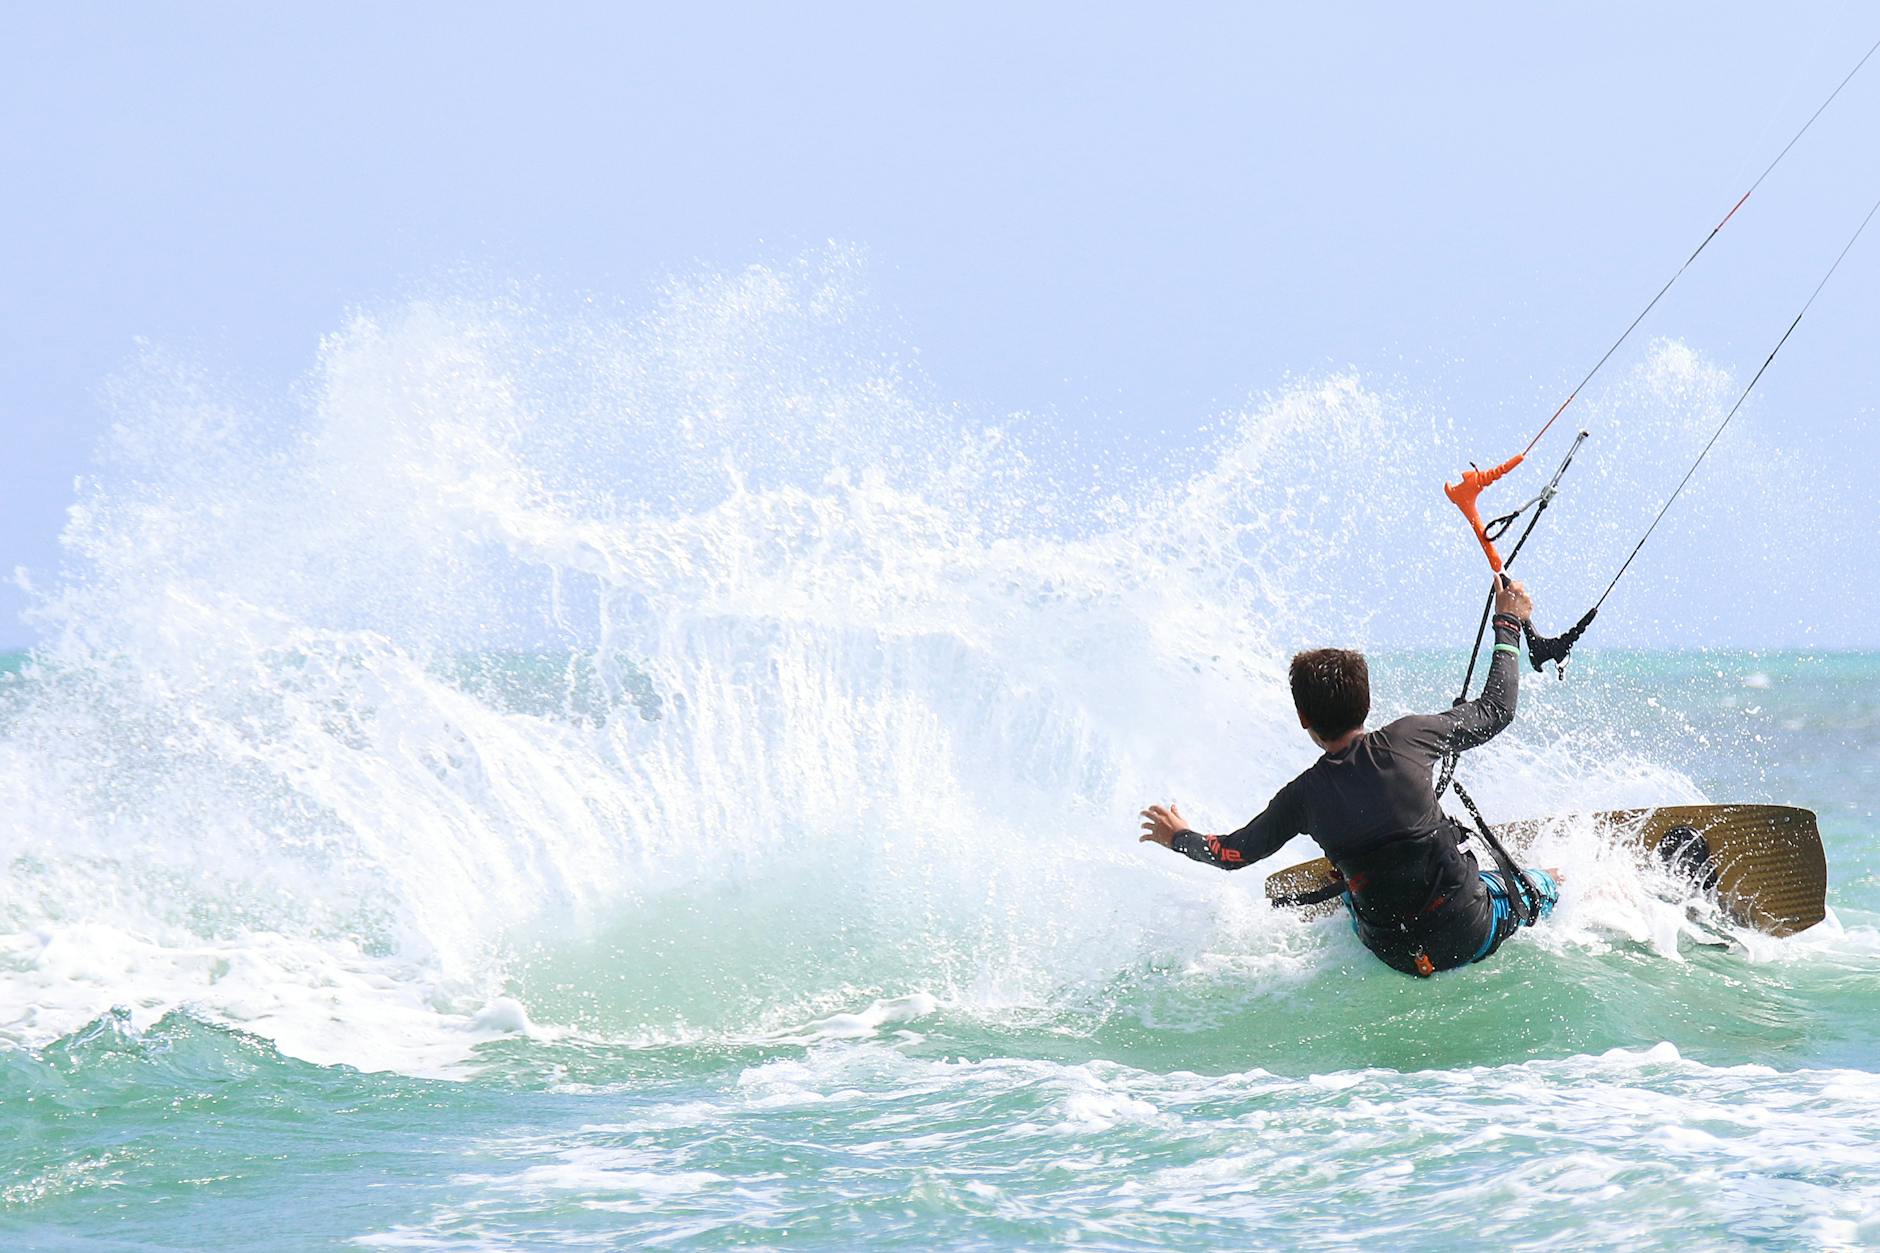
x,y
697,675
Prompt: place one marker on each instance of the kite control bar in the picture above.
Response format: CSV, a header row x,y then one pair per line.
x,y
1464,495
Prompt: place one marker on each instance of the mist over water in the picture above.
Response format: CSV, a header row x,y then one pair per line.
x,y
706,647
527,683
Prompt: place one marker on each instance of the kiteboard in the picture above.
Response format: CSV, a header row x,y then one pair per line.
x,y
1762,864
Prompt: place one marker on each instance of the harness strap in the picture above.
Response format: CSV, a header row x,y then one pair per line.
x,y
1523,899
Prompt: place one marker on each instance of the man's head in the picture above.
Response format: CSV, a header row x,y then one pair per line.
x,y
1332,689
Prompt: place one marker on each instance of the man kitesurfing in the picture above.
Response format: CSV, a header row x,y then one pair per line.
x,y
1416,899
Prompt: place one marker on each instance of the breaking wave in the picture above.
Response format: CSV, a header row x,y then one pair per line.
x,y
701,672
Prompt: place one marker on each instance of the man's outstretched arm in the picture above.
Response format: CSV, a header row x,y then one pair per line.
x,y
1278,822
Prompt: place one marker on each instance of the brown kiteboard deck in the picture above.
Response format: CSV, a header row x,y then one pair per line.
x,y
1763,863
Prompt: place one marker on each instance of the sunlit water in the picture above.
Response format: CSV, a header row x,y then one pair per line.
x,y
559,783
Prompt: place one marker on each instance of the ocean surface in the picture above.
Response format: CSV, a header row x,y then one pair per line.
x,y
570,785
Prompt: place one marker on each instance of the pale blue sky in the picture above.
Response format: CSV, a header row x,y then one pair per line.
x,y
1129,219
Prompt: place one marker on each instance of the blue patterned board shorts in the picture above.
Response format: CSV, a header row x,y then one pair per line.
x,y
1505,923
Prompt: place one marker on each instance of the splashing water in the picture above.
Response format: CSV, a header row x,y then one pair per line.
x,y
700,742
690,672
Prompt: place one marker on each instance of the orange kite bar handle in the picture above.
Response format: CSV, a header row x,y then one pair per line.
x,y
1462,495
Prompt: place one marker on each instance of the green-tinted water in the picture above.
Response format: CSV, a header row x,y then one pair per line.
x,y
846,1051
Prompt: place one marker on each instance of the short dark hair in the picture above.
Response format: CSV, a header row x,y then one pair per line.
x,y
1332,689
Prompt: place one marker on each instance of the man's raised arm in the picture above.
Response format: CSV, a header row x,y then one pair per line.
x,y
1485,717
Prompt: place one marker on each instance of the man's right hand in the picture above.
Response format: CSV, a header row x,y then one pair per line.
x,y
1512,598
1160,825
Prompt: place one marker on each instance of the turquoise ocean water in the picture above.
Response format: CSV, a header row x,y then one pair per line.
x,y
593,787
